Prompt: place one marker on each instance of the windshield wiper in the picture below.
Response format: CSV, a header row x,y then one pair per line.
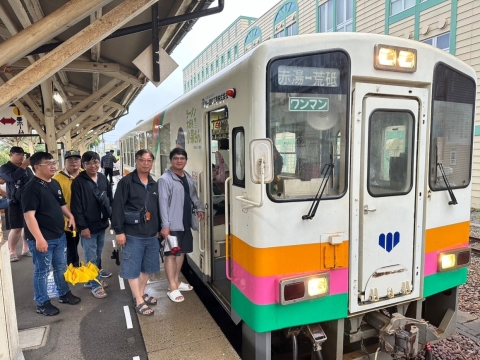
x,y
453,200
326,173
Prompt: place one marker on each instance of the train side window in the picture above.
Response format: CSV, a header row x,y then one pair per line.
x,y
453,109
238,156
390,153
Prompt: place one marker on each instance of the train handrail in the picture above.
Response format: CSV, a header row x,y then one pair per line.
x,y
227,230
262,190
203,225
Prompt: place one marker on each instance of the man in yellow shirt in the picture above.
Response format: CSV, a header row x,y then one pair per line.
x,y
65,178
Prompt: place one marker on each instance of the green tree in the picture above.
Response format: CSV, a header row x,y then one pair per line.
x,y
94,144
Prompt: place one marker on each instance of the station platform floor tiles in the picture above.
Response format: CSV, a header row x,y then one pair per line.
x,y
182,330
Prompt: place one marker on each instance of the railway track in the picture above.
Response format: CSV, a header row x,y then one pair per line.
x,y
475,245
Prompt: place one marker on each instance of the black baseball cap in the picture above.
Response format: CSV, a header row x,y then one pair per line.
x,y
72,153
17,150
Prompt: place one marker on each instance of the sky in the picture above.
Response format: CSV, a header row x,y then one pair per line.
x,y
152,99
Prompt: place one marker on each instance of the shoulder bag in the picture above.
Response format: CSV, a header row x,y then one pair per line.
x,y
102,199
137,217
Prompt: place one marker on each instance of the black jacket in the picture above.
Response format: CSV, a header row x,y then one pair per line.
x,y
14,176
130,196
85,207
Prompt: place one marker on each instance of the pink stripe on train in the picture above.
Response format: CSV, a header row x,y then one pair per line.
x,y
265,290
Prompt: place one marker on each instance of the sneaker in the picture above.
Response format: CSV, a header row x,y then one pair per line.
x,y
47,309
104,273
69,298
104,285
27,253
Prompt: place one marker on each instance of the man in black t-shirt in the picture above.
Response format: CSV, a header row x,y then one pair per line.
x,y
43,206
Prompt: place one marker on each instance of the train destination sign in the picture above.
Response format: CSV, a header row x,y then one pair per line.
x,y
307,104
308,76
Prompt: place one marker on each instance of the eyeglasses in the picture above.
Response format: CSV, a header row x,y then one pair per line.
x,y
179,158
49,163
92,163
145,161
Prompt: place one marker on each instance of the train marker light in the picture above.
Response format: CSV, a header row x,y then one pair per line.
x,y
394,58
303,288
231,93
453,259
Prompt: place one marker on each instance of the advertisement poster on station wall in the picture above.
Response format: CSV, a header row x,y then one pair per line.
x,y
12,121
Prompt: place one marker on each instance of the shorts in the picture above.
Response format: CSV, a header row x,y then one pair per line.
x,y
140,255
14,217
185,241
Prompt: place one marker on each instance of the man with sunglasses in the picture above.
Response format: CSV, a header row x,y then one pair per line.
x,y
16,174
65,178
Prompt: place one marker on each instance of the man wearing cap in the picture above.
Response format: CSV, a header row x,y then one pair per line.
x,y
108,161
16,174
65,178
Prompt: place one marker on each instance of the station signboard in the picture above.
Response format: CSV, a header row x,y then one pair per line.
x,y
12,121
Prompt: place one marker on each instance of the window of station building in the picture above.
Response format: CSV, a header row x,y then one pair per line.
x,y
342,22
398,6
216,63
285,23
211,67
151,146
440,41
451,131
164,148
206,71
229,56
254,34
223,61
235,51
132,151
141,141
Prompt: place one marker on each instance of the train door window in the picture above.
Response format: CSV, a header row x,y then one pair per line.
x,y
238,156
390,152
453,112
132,152
165,147
308,99
141,141
149,137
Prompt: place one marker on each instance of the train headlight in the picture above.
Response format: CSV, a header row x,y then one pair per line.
x,y
394,58
387,57
453,259
318,286
303,288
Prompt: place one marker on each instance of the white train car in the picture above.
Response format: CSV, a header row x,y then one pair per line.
x,y
336,174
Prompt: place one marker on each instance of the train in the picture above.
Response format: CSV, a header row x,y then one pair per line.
x,y
336,172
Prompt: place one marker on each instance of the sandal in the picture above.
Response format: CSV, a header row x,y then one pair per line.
x,y
149,300
184,287
99,293
174,295
143,310
13,258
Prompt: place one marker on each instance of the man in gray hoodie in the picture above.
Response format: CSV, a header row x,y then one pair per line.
x,y
178,199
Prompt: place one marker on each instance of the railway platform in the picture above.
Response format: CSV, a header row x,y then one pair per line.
x,y
109,328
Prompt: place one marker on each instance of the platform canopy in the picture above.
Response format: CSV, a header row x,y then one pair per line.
x,y
67,66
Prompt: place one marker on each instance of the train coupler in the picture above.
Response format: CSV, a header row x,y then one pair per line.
x,y
401,334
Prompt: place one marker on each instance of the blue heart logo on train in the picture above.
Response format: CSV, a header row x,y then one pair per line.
x,y
389,241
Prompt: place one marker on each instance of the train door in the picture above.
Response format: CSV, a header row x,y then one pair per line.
x,y
388,215
219,164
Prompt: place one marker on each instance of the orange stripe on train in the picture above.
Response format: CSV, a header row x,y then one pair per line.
x,y
447,236
291,259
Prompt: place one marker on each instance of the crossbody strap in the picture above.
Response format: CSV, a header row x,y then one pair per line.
x,y
50,190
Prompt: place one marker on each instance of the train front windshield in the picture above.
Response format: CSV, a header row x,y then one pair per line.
x,y
307,122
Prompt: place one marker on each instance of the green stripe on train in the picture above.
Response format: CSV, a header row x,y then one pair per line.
x,y
262,318
442,281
